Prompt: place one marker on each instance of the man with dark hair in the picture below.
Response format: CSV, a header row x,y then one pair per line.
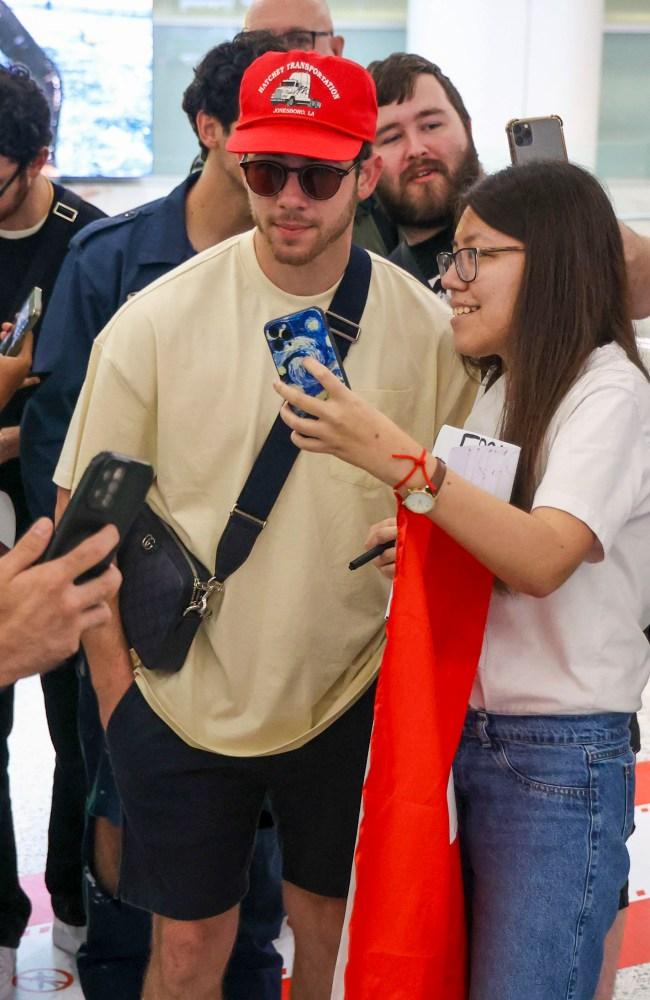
x,y
276,694
37,221
307,25
424,137
108,263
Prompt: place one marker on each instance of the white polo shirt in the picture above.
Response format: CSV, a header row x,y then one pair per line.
x,y
581,650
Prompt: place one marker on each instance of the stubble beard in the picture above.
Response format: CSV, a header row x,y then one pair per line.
x,y
324,235
434,205
19,194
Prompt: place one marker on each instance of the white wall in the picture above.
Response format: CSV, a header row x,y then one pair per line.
x,y
517,58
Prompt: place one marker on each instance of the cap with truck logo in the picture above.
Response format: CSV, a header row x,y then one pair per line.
x,y
307,104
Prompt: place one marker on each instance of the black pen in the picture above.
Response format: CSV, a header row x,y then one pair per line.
x,y
371,554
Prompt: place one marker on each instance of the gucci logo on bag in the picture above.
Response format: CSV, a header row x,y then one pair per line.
x,y
148,543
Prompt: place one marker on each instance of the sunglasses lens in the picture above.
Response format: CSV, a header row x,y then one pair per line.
x,y
264,178
320,182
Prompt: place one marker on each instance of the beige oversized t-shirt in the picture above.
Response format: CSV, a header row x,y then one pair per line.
x,y
182,377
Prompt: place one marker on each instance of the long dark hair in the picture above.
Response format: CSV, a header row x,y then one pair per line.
x,y
573,296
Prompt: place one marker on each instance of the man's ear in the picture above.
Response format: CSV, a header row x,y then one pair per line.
x,y
36,165
210,131
369,174
337,43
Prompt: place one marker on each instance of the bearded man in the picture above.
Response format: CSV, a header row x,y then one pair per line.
x,y
424,138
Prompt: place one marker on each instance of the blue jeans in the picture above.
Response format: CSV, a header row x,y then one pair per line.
x,y
545,805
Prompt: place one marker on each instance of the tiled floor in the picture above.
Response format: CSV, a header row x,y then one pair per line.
x,y
44,969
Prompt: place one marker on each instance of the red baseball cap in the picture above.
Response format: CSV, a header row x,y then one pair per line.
x,y
305,103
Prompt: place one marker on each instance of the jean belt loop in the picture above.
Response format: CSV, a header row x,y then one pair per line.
x,y
481,729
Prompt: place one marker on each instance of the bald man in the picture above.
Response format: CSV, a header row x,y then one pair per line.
x,y
302,24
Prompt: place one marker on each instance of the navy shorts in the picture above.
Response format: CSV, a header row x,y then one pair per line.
x,y
190,816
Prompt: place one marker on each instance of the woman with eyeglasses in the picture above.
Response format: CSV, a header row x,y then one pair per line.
x,y
544,772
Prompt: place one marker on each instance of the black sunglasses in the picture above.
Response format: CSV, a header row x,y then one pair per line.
x,y
7,184
319,181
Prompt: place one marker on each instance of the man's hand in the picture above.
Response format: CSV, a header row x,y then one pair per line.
x,y
9,443
637,263
43,613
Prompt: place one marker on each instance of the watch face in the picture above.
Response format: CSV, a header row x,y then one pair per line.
x,y
420,502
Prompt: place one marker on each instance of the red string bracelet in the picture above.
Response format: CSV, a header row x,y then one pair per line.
x,y
418,463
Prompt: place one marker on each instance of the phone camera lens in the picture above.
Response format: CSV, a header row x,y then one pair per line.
x,y
107,501
119,473
113,487
523,134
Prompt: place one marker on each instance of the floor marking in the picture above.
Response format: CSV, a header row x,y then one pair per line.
x,y
43,980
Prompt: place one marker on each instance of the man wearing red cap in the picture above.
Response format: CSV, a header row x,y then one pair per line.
x,y
276,695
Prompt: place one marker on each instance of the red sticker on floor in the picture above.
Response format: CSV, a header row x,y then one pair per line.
x,y
43,980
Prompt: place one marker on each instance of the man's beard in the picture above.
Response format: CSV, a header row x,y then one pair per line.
x,y
324,235
15,199
429,206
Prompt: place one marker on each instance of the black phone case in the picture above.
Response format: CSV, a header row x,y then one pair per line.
x,y
83,516
11,345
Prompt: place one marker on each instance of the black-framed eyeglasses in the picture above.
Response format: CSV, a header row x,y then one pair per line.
x,y
465,260
7,184
319,181
301,38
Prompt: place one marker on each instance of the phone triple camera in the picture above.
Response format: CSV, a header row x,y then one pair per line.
x,y
523,134
107,485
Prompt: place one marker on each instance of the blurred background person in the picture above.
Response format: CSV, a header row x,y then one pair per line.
x,y
37,220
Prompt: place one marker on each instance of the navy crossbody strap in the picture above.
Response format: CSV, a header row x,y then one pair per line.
x,y
278,453
55,235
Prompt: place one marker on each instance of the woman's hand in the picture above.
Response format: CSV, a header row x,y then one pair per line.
x,y
14,372
384,531
345,426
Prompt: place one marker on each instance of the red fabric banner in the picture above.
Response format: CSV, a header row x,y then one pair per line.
x,y
407,925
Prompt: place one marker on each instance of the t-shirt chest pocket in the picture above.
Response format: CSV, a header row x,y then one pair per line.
x,y
398,405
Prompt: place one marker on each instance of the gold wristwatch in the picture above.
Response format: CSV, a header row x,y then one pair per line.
x,y
422,499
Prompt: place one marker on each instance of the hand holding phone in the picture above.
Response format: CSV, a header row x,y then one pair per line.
x,y
536,139
26,319
300,335
111,491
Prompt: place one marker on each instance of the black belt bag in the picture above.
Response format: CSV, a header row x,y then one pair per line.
x,y
166,591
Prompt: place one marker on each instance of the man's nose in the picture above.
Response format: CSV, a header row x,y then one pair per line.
x,y
292,191
416,144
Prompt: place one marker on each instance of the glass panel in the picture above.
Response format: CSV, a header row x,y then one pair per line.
x,y
627,11
624,128
233,11
93,62
374,11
